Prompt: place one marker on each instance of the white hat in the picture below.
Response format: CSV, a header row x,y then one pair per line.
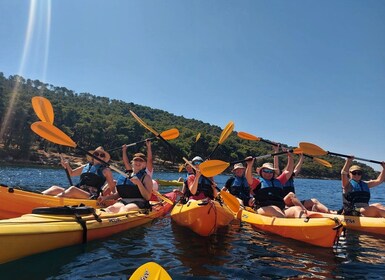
x,y
238,166
197,158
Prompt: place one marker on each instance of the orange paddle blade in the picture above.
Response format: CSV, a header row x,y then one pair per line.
x,y
51,133
213,167
150,271
231,201
226,132
43,109
248,136
170,134
198,136
323,162
311,149
143,123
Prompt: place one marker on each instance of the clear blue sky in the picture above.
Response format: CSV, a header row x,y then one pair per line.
x,y
288,71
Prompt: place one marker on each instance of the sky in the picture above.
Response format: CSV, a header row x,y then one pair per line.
x,y
288,71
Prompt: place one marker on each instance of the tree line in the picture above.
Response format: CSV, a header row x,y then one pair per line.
x,y
93,121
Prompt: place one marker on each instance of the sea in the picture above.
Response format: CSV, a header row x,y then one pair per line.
x,y
235,252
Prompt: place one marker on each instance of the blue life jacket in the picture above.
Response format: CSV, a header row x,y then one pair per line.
x,y
92,176
126,188
239,187
269,192
359,193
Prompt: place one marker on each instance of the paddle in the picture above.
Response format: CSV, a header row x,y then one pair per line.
x,y
214,167
151,129
198,136
231,201
248,136
44,110
53,134
170,134
150,271
314,150
224,135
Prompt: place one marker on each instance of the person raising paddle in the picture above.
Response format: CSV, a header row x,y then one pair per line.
x,y
200,186
356,192
237,185
92,178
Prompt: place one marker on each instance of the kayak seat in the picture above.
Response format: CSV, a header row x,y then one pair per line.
x,y
64,210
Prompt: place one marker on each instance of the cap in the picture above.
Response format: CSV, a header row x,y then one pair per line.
x,y
354,168
140,156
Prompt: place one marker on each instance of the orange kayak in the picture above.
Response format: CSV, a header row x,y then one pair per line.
x,y
16,202
323,232
203,217
51,228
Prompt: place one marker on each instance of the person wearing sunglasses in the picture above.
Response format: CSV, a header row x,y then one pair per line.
x,y
134,190
268,190
356,192
311,204
93,177
199,186
237,185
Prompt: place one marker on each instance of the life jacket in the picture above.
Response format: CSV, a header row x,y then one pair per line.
x,y
239,187
289,186
92,176
359,193
127,189
269,192
205,187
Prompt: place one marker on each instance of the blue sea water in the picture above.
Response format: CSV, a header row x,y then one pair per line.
x,y
236,252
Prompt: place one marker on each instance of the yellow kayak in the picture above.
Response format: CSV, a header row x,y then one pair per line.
x,y
364,224
323,232
203,217
169,182
51,228
16,202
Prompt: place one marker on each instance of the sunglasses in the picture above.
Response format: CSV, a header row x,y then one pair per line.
x,y
356,173
197,162
267,171
101,155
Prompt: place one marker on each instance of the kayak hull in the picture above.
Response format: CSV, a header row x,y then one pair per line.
x,y
16,202
35,233
169,182
362,224
203,217
323,232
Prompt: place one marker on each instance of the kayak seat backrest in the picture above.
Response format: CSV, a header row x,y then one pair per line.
x,y
64,210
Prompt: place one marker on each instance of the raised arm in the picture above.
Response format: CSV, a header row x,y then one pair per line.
x,y
249,170
345,171
126,162
380,178
298,167
150,167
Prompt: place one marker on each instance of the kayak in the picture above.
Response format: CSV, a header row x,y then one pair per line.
x,y
49,228
323,232
364,224
203,217
16,202
169,182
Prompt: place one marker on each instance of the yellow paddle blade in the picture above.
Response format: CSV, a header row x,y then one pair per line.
x,y
43,109
143,123
170,134
226,132
198,136
231,201
297,151
51,133
248,136
213,167
162,197
323,162
311,149
181,166
150,271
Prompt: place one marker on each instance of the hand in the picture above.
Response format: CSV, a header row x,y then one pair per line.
x,y
276,148
135,180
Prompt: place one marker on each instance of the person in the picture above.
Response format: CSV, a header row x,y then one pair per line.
x,y
200,186
237,185
356,192
185,192
312,204
133,191
268,190
93,176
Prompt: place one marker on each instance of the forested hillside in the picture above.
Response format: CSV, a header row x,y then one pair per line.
x,y
93,121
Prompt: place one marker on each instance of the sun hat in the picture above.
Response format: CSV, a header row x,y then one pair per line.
x,y
355,168
140,156
99,149
267,165
238,166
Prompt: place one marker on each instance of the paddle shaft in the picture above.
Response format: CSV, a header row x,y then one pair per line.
x,y
67,173
264,156
363,159
133,144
